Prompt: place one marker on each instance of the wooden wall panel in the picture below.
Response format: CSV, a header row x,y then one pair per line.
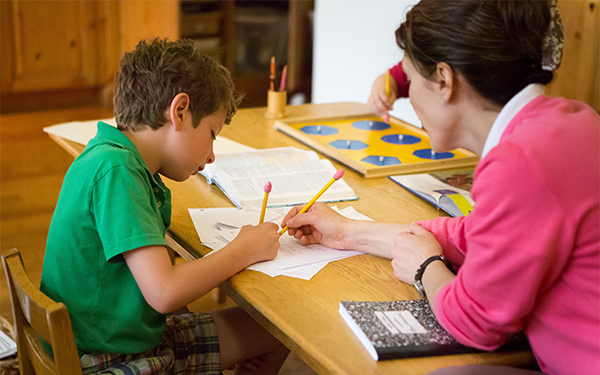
x,y
147,19
53,45
578,77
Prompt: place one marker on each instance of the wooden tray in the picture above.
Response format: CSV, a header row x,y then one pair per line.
x,y
373,148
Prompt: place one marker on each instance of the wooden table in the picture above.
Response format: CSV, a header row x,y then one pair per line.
x,y
304,314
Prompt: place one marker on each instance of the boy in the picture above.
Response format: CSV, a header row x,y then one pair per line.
x,y
106,258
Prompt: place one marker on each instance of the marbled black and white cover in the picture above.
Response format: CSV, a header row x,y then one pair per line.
x,y
388,345
383,344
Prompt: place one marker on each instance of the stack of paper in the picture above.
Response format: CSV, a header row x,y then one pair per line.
x,y
7,346
217,227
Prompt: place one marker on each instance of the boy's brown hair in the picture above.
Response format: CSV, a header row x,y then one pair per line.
x,y
150,76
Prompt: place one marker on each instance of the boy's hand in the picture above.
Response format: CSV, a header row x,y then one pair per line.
x,y
320,224
258,243
411,249
379,102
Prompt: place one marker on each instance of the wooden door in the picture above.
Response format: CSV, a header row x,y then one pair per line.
x,y
48,45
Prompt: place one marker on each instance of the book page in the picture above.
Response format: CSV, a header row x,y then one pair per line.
x,y
293,183
257,158
452,199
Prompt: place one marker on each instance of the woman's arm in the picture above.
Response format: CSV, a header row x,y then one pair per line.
x,y
320,224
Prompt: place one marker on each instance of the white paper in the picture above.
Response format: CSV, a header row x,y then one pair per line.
x,y
400,322
78,131
216,228
83,131
7,346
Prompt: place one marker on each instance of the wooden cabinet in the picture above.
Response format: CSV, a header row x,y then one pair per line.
x,y
58,53
48,45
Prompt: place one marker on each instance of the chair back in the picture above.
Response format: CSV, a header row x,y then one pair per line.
x,y
35,315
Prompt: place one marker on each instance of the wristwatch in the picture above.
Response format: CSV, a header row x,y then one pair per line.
x,y
418,284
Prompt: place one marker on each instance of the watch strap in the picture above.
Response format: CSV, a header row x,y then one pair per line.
x,y
421,271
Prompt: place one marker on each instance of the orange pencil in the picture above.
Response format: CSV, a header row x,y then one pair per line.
x,y
265,199
336,177
272,75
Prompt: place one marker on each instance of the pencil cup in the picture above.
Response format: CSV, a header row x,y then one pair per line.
x,y
276,104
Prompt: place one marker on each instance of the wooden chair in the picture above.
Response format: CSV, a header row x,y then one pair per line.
x,y
36,315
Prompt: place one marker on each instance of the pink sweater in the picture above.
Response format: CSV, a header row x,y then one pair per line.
x,y
529,253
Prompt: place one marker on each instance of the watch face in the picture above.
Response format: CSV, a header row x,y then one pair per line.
x,y
420,288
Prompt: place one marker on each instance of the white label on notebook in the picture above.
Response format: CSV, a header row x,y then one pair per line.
x,y
400,322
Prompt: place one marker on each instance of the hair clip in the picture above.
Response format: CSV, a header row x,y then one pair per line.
x,y
553,41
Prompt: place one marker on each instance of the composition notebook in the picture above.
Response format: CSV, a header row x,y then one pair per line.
x,y
399,329
446,190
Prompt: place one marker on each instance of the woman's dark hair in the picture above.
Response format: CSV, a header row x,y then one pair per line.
x,y
156,71
496,45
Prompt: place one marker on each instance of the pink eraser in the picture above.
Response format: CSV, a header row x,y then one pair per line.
x,y
268,187
338,174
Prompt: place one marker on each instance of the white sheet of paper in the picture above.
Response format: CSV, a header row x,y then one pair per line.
x,y
300,272
78,131
82,131
7,346
216,228
250,216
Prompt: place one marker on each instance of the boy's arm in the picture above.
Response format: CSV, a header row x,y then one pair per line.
x,y
167,288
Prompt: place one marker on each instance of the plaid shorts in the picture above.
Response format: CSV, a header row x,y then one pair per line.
x,y
189,345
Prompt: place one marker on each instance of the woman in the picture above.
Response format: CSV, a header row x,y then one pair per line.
x,y
528,256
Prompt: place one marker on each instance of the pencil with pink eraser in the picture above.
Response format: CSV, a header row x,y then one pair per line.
x,y
336,177
268,187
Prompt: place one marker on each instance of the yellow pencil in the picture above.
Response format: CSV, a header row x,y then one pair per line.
x,y
336,177
386,118
387,83
265,199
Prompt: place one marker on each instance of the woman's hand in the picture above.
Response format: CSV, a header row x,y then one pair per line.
x,y
411,249
379,101
320,224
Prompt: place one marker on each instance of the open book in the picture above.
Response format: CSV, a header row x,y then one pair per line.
x,y
447,190
399,329
296,176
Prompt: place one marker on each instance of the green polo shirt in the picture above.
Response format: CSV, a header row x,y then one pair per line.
x,y
109,203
